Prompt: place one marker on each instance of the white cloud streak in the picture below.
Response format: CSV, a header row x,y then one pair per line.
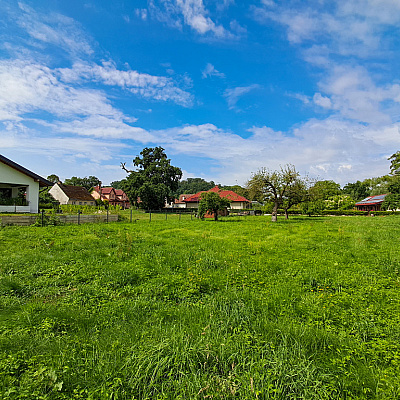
x,y
232,95
210,71
177,13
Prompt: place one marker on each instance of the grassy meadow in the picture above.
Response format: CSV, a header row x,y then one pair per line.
x,y
307,308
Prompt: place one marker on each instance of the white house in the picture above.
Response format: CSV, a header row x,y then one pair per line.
x,y
19,187
68,194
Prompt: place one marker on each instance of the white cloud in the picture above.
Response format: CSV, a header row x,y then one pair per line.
x,y
141,13
177,13
233,95
145,85
351,27
326,149
322,101
210,70
354,94
28,87
55,29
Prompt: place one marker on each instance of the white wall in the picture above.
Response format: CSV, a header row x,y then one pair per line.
x,y
11,175
59,194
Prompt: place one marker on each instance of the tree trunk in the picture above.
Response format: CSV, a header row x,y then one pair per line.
x,y
274,216
215,215
286,213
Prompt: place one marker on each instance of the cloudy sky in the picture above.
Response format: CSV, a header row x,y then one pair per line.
x,y
225,86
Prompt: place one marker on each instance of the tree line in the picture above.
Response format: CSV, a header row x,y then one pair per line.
x,y
153,181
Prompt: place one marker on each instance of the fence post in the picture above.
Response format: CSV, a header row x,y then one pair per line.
x,y
42,218
165,214
79,217
150,215
107,215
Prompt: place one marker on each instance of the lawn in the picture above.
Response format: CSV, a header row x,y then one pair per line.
x,y
185,309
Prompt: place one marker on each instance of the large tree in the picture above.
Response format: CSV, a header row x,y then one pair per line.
x,y
273,185
212,202
395,163
193,185
154,179
87,182
324,190
357,191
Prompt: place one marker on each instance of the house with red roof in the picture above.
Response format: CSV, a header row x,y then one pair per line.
x,y
114,197
371,203
237,202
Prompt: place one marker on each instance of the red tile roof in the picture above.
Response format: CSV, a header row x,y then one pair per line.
x,y
228,194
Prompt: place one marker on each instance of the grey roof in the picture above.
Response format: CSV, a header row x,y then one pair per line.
x,y
372,200
76,192
20,168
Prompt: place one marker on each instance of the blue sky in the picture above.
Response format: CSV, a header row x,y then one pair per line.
x,y
226,87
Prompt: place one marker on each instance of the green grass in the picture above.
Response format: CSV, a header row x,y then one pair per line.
x,y
184,309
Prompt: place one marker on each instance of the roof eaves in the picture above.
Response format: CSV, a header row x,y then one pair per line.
x,y
20,168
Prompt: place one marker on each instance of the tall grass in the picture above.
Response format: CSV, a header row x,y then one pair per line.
x,y
183,309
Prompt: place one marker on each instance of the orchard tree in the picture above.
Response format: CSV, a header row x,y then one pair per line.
x,y
154,179
212,202
273,185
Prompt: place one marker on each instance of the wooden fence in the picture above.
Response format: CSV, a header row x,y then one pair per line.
x,y
26,220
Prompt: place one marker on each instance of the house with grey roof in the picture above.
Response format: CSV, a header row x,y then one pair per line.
x,y
371,203
19,187
75,195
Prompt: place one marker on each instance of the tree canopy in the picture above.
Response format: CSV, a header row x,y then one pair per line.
x,y
53,178
357,191
273,185
154,179
88,182
193,185
324,190
395,163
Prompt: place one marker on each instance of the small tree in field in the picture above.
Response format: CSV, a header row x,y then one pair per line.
x,y
211,202
274,185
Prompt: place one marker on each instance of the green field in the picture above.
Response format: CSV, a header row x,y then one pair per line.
x,y
185,309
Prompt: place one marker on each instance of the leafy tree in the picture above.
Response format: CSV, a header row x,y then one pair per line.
x,y
313,207
273,185
296,193
87,182
391,202
379,185
117,184
358,190
323,190
212,202
395,163
53,178
193,185
154,180
340,202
